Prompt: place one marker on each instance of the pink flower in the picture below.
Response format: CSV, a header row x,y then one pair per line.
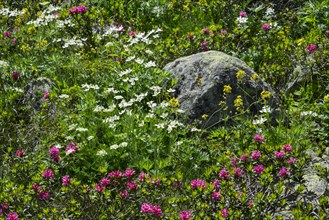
x,y
204,46
129,172
78,10
99,188
198,183
147,208
216,195
124,193
311,47
256,154
243,157
266,27
12,216
259,138
20,153
66,180
48,174
115,174
14,40
224,212
141,176
177,184
234,161
43,195
36,187
71,148
250,203
56,159
292,160
205,30
287,148
224,174
279,154
216,183
105,182
46,95
185,215
132,185
243,14
238,172
16,75
132,33
326,32
190,36
157,210
258,169
54,151
7,34
284,171
223,32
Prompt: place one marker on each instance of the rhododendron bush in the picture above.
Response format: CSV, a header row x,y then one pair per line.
x,y
91,128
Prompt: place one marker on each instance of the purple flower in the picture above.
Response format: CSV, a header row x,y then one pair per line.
x,y
36,187
129,172
105,182
78,10
115,174
284,171
46,95
216,183
311,47
279,154
71,148
124,193
287,148
66,180
224,212
20,153
12,216
54,151
216,195
198,183
43,195
243,157
205,30
266,27
16,75
292,160
147,208
157,210
185,215
132,185
259,138
243,14
224,174
48,174
258,169
204,46
56,159
238,172
223,32
99,188
256,154
132,33
234,161
7,34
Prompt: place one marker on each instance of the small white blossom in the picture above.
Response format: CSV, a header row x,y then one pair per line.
x,y
141,124
101,153
310,113
171,90
194,129
266,109
139,61
269,12
3,63
160,126
259,121
118,97
81,129
164,115
90,138
150,64
242,20
125,72
111,90
72,127
63,96
130,58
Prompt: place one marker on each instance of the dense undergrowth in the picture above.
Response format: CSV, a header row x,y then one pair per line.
x,y
90,128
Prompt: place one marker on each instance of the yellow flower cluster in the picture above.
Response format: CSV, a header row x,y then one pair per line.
x,y
174,103
204,116
265,94
254,77
227,89
326,98
238,103
240,74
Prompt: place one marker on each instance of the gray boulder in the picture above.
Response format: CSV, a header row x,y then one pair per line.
x,y
201,80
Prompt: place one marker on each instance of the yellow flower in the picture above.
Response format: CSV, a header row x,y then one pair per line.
x,y
326,99
204,116
254,77
174,103
240,74
238,103
265,94
227,89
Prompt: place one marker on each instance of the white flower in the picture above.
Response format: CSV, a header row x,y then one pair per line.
x,y
164,115
114,147
130,58
141,124
140,97
101,153
269,12
150,64
259,121
123,144
81,129
3,63
160,126
171,90
118,97
156,90
111,90
266,109
58,146
18,90
87,87
148,52
63,96
69,138
194,129
111,119
310,113
90,138
125,72
139,61
72,127
242,20
98,108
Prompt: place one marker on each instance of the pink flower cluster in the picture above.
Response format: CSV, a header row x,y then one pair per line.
x,y
224,212
256,154
78,10
216,195
48,174
224,174
204,46
20,153
43,194
71,148
16,75
54,153
284,171
266,27
185,215
198,183
243,14
279,154
3,206
259,138
12,216
258,169
311,47
148,208
66,180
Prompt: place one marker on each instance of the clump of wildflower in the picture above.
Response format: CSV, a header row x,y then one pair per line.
x,y
266,27
16,75
279,154
12,216
224,212
129,172
250,203
240,74
284,171
205,30
115,174
185,215
174,103
204,46
20,153
54,151
48,174
326,98
243,157
223,32
224,174
132,33
254,77
36,187
238,103
287,148
132,185
292,160
265,94
238,172
256,154
198,183
311,47
216,195
258,169
46,95
216,183
7,34
71,148
99,188
259,138
78,10
234,161
66,180
43,195
243,14
147,208
124,193
227,89
105,182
